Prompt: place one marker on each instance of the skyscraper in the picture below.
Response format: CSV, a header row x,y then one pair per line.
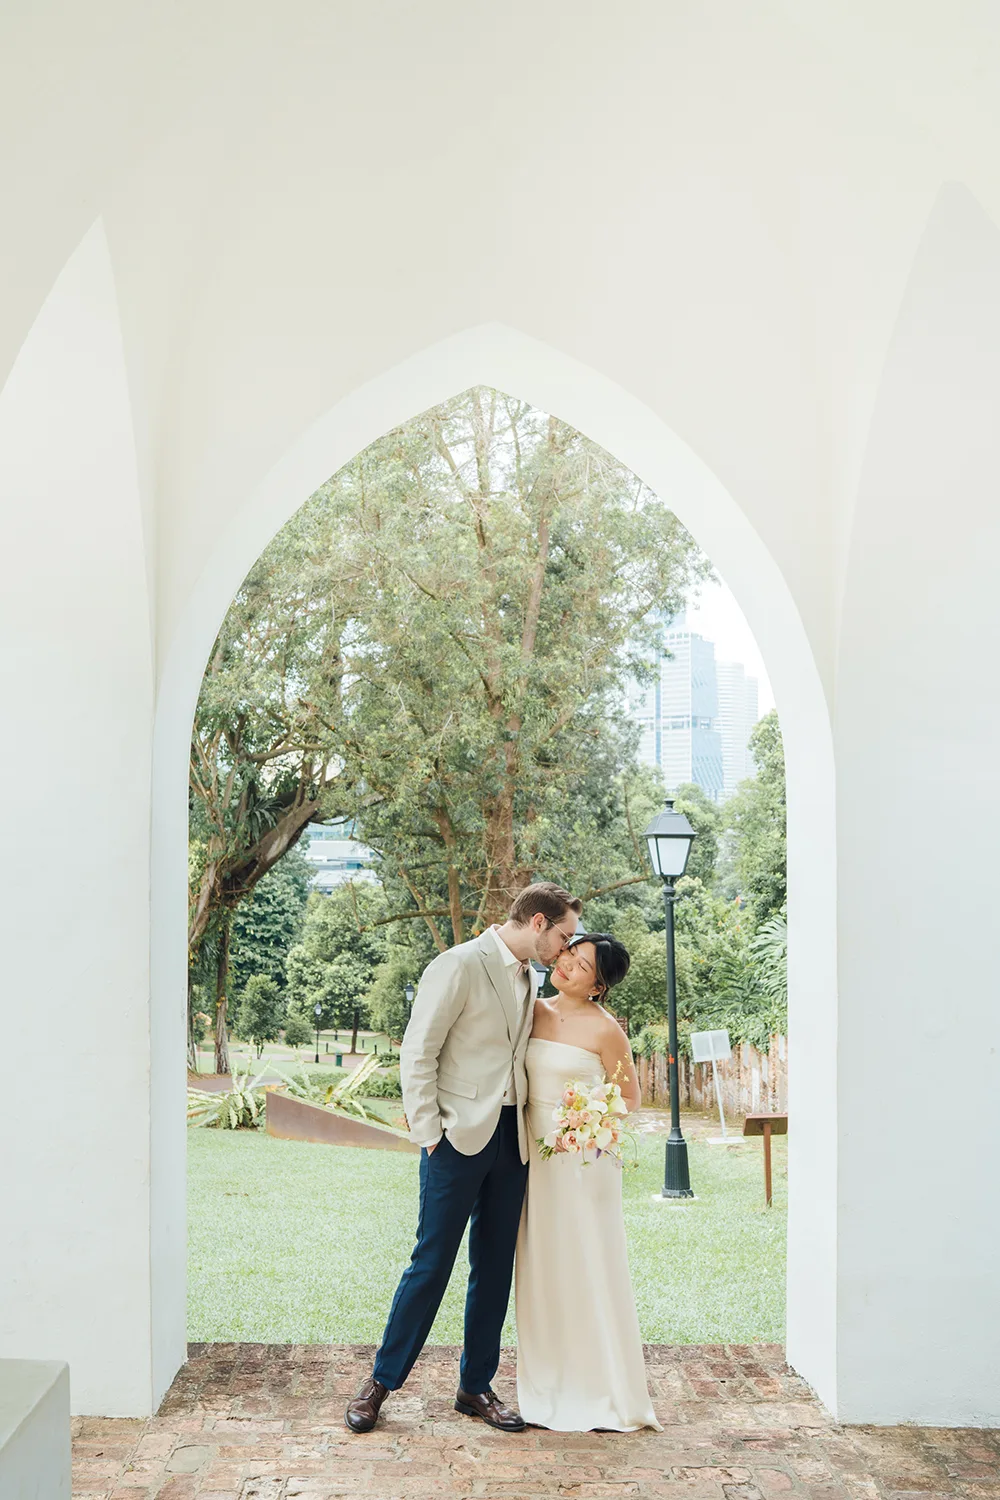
x,y
737,717
678,714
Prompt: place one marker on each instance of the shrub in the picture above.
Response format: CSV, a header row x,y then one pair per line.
x,y
298,1032
317,1079
383,1085
261,1012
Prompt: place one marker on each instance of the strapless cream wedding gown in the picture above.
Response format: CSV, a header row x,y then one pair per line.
x,y
579,1351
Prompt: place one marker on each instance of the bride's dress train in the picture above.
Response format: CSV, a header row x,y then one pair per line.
x,y
579,1351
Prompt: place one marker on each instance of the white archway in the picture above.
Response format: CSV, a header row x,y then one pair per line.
x,y
499,356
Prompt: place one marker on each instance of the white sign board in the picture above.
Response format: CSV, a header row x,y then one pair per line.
x,y
710,1046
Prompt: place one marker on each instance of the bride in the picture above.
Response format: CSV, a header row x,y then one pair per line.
x,y
579,1351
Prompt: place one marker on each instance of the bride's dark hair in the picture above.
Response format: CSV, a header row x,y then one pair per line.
x,y
611,958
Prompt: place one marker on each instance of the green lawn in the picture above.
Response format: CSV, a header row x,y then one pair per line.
x,y
291,1242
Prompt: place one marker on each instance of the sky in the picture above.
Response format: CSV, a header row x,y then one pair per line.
x,y
718,618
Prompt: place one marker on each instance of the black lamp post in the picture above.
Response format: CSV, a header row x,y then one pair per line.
x,y
669,838
409,992
317,1011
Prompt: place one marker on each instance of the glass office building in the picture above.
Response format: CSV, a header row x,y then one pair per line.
x,y
678,714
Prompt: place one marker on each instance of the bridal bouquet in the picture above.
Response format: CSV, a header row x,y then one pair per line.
x,y
588,1123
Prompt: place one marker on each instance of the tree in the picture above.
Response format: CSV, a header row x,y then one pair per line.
x,y
756,816
263,760
387,1006
298,1032
333,966
475,588
268,922
261,1012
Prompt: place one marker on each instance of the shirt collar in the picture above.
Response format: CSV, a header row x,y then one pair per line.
x,y
509,958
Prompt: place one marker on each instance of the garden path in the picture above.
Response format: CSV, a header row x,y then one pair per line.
x,y
264,1422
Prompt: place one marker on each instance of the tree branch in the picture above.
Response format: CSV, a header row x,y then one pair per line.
x,y
616,886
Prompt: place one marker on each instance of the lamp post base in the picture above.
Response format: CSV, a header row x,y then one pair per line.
x,y
675,1198
676,1177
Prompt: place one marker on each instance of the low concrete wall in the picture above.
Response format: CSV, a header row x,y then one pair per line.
x,y
298,1120
34,1430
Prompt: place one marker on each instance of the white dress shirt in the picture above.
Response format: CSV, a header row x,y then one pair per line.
x,y
521,985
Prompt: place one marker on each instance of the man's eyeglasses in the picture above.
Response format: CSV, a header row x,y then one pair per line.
x,y
567,937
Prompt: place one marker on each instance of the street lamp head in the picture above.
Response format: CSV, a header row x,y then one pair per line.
x,y
317,1010
669,838
409,992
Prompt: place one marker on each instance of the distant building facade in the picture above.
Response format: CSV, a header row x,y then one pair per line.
x,y
336,857
695,719
738,713
678,714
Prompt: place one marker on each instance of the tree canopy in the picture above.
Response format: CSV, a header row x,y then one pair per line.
x,y
334,963
436,646
756,816
269,921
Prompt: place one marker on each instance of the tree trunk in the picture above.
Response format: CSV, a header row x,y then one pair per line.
x,y
192,1044
221,976
447,831
222,884
354,1034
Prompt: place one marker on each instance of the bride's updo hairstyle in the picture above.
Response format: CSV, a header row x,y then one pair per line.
x,y
612,959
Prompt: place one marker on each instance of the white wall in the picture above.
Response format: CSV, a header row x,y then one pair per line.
x,y
918,738
76,689
35,1453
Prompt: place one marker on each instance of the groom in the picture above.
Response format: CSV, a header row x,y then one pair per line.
x,y
464,1092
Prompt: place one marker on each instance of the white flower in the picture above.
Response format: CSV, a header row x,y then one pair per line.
x,y
603,1138
551,1138
618,1106
557,1114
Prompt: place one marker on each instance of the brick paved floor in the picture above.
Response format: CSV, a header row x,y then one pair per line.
x,y
264,1422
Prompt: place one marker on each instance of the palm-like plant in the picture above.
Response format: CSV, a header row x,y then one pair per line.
x,y
239,1108
770,956
340,1095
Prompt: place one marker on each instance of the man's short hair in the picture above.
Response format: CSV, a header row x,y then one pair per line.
x,y
543,897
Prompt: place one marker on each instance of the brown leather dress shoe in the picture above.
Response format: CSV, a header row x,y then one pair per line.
x,y
362,1413
489,1407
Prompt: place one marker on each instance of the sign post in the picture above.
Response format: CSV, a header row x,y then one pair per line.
x,y
765,1125
713,1047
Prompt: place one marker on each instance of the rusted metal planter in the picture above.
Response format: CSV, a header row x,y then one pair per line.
x,y
297,1120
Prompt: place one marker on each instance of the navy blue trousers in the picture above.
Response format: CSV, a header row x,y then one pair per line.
x,y
484,1191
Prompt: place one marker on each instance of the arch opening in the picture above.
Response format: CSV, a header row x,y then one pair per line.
x,y
497,357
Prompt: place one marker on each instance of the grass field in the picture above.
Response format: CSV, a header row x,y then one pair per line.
x,y
291,1242
330,1043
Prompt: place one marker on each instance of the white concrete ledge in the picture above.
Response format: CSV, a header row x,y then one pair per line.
x,y
34,1430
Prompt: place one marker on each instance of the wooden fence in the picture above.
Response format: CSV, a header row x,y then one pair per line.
x,y
750,1080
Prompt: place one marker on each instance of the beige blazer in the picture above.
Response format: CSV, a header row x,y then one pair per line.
x,y
460,1044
